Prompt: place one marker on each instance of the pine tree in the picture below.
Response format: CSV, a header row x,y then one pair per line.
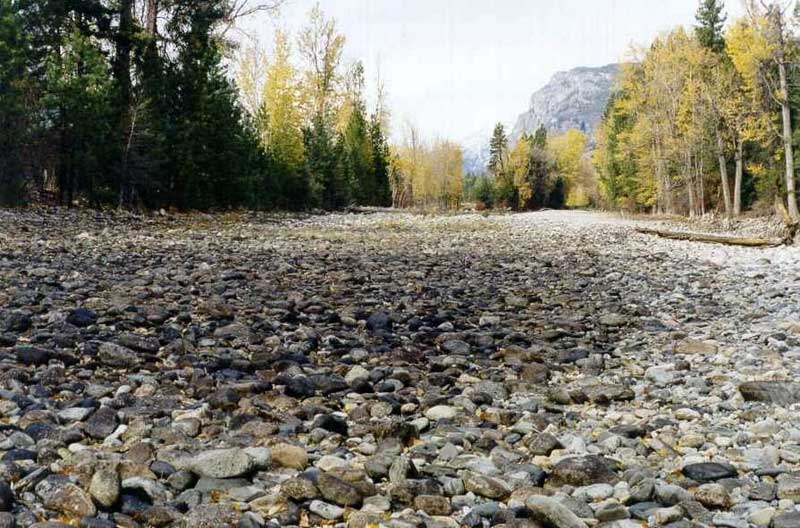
x,y
540,168
540,137
358,160
498,150
209,143
710,22
16,126
324,165
78,93
381,161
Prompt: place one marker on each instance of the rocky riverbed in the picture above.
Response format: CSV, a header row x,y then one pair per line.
x,y
544,369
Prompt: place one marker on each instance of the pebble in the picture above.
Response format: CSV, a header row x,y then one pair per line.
x,y
200,371
551,512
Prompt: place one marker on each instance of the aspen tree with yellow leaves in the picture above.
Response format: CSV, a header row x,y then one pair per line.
x,y
691,100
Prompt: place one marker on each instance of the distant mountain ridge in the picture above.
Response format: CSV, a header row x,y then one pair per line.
x,y
476,152
575,98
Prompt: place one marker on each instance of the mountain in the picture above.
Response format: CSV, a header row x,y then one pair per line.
x,y
572,99
476,152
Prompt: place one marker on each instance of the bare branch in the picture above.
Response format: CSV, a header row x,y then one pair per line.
x,y
238,9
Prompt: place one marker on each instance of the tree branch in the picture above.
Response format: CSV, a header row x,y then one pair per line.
x,y
244,8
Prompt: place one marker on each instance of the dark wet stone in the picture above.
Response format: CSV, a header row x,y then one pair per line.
x,y
16,321
139,343
332,423
583,471
379,321
709,471
6,497
82,317
102,423
31,355
224,399
628,431
19,454
300,387
132,503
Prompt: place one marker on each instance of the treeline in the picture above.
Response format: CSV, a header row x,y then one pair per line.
x,y
130,103
326,149
538,171
427,175
705,120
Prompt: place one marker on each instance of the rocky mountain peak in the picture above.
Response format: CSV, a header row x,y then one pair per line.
x,y
571,99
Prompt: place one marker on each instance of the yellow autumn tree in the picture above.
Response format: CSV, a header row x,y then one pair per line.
x,y
321,45
569,152
743,97
428,175
280,118
516,176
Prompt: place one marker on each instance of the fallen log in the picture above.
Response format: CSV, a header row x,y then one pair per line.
x,y
714,239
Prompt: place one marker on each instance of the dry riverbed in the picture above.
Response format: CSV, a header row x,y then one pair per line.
x,y
543,369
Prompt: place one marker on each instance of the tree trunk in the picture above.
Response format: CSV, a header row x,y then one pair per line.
x,y
122,73
702,187
151,19
723,173
122,62
689,176
662,178
713,238
787,142
737,186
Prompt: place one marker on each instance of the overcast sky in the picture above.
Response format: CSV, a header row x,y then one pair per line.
x,y
455,67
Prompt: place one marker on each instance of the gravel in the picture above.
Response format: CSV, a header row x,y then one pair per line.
x,y
391,369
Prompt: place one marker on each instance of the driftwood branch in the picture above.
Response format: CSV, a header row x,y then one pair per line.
x,y
714,239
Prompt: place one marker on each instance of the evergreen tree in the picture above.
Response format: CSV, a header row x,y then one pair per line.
x,y
498,150
612,172
358,157
16,126
540,138
540,169
381,163
324,166
209,142
710,22
484,191
78,94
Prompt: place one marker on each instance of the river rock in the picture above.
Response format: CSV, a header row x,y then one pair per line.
x,y
552,513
